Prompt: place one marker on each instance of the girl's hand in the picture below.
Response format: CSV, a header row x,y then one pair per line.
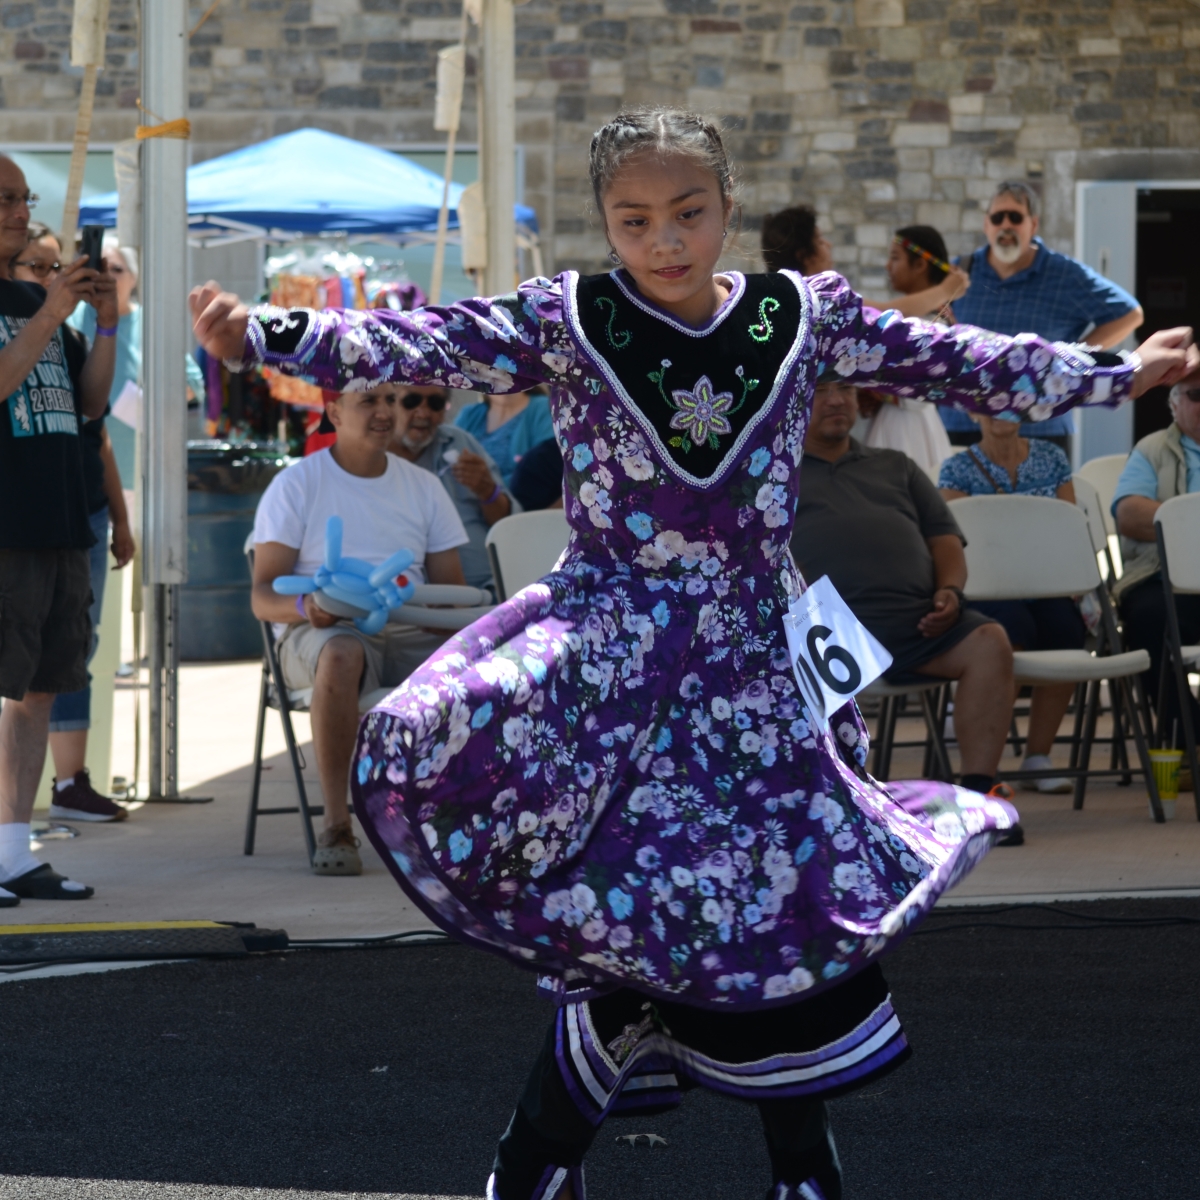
x,y
1167,357
219,320
956,283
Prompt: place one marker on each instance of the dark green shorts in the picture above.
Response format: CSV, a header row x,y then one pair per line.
x,y
45,630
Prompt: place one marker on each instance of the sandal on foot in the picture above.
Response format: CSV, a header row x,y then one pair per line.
x,y
44,883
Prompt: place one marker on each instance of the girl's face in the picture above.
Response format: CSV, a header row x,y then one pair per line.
x,y
821,259
666,219
904,277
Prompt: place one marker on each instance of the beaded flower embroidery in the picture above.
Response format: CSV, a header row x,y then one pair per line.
x,y
700,413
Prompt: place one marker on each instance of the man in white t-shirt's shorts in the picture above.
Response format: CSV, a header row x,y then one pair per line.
x,y
386,504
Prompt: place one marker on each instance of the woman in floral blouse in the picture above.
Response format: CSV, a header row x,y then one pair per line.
x,y
611,779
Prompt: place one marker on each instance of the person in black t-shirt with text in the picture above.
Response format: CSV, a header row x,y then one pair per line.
x,y
49,386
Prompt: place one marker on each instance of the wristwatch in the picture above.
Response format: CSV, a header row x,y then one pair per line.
x,y
958,595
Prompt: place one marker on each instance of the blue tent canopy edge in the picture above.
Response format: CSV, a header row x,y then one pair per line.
x,y
310,182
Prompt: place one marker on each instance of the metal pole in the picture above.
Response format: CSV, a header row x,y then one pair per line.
x,y
164,56
171,691
498,144
154,612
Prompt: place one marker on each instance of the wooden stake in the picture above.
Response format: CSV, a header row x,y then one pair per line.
x,y
83,132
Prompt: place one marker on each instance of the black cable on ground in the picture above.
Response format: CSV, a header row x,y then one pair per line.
x,y
413,936
1097,920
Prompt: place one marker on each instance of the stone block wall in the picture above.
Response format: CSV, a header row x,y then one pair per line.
x,y
878,112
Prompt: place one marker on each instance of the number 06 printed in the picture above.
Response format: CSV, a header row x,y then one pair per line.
x,y
833,654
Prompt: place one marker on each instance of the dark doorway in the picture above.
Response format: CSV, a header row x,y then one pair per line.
x,y
1168,280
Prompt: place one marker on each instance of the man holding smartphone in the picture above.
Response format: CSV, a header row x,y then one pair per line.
x,y
49,385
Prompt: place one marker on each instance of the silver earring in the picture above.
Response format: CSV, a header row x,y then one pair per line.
x,y
724,234
614,258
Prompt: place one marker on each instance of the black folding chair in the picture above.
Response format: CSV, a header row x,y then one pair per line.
x,y
1177,527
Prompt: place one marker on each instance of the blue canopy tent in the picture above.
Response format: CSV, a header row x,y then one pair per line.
x,y
306,184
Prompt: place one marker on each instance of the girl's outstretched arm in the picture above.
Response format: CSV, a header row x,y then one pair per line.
x,y
931,299
509,343
978,370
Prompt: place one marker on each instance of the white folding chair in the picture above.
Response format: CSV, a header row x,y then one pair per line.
x,y
1099,520
1102,473
1177,526
1087,498
1031,548
525,547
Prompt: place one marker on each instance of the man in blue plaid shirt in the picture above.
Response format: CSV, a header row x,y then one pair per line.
x,y
1020,285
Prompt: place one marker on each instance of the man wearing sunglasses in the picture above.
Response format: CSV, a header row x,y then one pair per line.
x,y
1020,285
467,471
1164,464
386,504
48,385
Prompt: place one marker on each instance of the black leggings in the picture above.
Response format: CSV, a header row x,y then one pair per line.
x,y
548,1131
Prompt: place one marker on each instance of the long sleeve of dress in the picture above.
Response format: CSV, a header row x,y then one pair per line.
x,y
505,344
959,364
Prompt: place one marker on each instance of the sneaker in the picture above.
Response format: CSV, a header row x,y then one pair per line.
x,y
337,853
1041,762
79,801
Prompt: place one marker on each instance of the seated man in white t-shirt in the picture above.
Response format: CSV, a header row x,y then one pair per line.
x,y
386,504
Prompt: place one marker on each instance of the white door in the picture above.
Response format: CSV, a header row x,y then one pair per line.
x,y
1106,239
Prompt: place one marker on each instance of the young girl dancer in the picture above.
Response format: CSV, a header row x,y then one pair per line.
x,y
610,778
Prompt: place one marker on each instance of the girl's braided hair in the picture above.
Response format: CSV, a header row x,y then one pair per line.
x,y
665,131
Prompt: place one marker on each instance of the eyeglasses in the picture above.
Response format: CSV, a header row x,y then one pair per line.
x,y
13,199
1014,215
412,400
40,269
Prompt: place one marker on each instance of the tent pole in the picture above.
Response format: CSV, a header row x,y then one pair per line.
x,y
439,249
447,116
497,137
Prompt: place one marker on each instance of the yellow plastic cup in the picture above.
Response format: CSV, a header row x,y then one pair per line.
x,y
1166,772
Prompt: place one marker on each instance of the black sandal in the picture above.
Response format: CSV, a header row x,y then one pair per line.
x,y
44,883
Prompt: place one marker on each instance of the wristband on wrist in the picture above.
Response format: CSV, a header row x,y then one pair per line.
x,y
106,331
958,595
494,496
300,608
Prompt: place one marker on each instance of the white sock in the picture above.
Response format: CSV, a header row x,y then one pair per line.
x,y
61,785
15,856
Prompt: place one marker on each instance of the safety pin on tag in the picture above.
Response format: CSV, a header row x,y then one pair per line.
x,y
833,654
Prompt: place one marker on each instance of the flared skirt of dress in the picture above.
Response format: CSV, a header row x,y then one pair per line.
x,y
610,778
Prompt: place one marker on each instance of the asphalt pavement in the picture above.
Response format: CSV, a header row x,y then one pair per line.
x,y
1055,1059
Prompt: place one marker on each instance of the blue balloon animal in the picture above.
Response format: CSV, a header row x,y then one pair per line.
x,y
350,583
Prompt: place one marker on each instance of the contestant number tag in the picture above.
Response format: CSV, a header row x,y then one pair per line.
x,y
833,654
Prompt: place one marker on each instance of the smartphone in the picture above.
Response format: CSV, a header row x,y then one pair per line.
x,y
91,241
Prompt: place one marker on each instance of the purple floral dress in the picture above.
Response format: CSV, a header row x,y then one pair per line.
x,y
611,778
